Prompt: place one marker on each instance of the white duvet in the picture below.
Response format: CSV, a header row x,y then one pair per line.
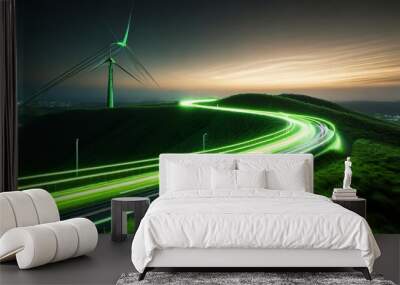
x,y
250,219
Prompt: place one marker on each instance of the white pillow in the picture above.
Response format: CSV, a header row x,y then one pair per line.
x,y
251,178
193,174
223,179
188,177
227,179
281,174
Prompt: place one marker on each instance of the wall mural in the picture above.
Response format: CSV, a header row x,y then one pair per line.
x,y
106,86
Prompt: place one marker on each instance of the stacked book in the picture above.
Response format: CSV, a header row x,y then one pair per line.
x,y
344,194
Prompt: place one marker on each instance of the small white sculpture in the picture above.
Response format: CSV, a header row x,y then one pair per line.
x,y
347,174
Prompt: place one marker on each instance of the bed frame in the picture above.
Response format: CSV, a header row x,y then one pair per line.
x,y
242,259
246,258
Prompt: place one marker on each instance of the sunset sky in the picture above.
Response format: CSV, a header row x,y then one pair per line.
x,y
337,50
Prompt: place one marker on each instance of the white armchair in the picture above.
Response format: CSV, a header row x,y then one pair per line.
x,y
31,230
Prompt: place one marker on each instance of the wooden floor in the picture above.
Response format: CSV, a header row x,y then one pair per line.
x,y
110,260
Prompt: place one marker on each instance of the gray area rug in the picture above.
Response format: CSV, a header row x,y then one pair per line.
x,y
233,278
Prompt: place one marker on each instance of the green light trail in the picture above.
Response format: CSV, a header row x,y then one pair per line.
x,y
301,134
73,171
82,196
90,176
302,139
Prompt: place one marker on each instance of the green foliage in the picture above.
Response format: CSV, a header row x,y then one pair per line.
x,y
375,176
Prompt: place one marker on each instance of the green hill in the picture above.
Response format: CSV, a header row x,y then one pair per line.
x,y
47,142
314,101
373,145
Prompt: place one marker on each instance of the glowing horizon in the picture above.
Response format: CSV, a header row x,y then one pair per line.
x,y
227,48
371,63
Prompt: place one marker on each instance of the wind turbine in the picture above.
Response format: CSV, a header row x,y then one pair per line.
x,y
110,61
89,63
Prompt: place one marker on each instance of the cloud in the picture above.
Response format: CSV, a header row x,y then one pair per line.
x,y
370,63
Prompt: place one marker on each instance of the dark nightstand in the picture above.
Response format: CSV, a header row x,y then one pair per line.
x,y
119,208
357,205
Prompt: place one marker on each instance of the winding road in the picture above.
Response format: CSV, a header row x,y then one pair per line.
x,y
301,134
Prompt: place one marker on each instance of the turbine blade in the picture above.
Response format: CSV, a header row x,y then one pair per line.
x,y
125,40
98,65
141,66
130,74
140,73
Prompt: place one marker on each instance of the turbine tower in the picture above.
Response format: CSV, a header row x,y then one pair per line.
x,y
105,55
110,87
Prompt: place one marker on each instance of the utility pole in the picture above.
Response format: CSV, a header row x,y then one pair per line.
x,y
76,156
204,141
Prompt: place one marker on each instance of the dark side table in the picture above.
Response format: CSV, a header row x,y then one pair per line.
x,y
357,205
119,208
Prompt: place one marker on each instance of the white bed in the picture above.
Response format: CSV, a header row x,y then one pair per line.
x,y
249,227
